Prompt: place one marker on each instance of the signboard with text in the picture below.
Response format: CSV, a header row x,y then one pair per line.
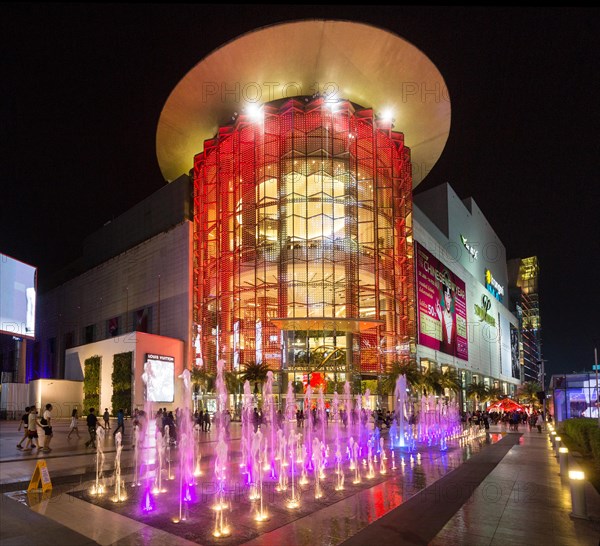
x,y
442,306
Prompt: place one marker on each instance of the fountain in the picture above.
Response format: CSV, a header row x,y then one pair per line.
x,y
98,488
293,500
256,451
321,416
120,495
290,410
400,411
261,514
221,506
148,503
197,452
281,460
186,449
136,452
270,420
318,461
308,461
276,463
339,470
160,454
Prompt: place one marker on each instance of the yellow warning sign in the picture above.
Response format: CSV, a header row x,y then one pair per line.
x,y
40,473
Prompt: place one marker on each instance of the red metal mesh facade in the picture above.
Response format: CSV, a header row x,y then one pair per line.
x,y
304,213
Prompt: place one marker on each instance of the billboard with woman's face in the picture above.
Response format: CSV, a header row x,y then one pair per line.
x,y
441,305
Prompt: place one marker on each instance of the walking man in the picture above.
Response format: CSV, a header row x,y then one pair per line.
x,y
106,418
46,423
120,423
92,422
32,429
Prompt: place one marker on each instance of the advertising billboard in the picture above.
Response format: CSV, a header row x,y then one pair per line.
x,y
514,352
17,297
505,346
159,377
442,306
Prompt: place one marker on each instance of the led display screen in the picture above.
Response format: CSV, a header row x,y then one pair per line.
x,y
17,297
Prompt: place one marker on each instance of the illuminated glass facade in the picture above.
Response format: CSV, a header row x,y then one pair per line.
x,y
303,253
526,273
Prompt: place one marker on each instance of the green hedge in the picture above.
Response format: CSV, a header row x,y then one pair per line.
x,y
91,383
586,434
121,382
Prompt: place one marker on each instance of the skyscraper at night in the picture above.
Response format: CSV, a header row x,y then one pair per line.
x,y
524,275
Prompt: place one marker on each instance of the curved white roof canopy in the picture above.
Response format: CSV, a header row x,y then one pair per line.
x,y
340,59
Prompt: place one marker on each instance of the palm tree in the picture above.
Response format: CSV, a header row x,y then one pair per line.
x,y
255,373
408,369
496,393
432,383
478,392
201,379
449,380
233,384
527,393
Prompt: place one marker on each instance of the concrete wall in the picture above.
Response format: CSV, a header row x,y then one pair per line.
x,y
154,275
62,394
137,343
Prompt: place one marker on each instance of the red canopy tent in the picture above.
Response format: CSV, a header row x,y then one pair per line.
x,y
506,404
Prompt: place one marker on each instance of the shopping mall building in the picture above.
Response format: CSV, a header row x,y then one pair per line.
x,y
289,234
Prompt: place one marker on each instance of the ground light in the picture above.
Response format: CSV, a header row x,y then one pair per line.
x,y
563,457
577,480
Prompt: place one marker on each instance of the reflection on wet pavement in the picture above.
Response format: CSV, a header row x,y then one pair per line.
x,y
328,520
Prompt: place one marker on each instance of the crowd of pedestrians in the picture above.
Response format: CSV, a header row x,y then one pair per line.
x,y
30,423
202,420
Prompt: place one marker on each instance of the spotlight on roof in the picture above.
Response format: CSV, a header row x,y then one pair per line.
x,y
331,103
254,111
387,115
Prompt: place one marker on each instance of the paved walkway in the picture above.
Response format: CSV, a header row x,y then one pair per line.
x,y
506,493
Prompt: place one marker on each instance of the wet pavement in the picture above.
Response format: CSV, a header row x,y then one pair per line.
x,y
503,489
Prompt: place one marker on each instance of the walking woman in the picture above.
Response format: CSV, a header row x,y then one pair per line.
x,y
74,424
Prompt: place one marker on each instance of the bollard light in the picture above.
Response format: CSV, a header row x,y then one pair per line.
x,y
579,508
557,441
576,475
563,457
552,437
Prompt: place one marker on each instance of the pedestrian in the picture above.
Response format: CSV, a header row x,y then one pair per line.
x,y
46,422
169,421
206,421
74,425
32,435
539,422
120,423
91,421
106,418
25,424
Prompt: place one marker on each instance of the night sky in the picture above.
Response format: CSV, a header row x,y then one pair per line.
x,y
83,86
